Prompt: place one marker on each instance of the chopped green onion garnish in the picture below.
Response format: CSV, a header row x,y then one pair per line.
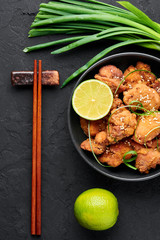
x,y
127,161
130,106
137,70
136,128
157,143
148,134
140,107
92,147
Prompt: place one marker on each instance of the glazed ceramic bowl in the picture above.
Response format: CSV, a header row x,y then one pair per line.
x,y
122,61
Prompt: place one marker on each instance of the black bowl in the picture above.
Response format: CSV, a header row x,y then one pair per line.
x,y
122,61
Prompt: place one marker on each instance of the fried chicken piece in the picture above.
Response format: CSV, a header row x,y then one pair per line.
x,y
113,155
84,125
112,76
121,125
145,125
117,102
156,85
101,137
136,146
144,94
110,71
97,147
112,83
95,126
139,76
148,78
133,78
144,66
98,125
147,158
154,144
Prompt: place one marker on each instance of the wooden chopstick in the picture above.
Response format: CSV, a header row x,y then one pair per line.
x,y
34,152
38,209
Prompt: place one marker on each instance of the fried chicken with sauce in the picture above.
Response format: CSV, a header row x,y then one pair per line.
x,y
144,94
145,125
113,155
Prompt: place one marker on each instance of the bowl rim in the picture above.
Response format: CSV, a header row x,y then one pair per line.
x,y
143,177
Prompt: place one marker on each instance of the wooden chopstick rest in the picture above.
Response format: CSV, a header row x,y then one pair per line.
x,y
20,78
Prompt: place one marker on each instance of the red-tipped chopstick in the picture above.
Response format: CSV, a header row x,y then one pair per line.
x,y
36,152
38,215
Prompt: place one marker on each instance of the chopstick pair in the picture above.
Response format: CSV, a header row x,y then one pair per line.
x,y
36,152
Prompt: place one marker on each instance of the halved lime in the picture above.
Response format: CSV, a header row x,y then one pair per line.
x,y
92,99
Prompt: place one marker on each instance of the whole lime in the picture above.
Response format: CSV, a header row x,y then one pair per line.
x,y
96,209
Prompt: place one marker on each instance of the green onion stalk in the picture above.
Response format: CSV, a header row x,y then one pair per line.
x,y
90,21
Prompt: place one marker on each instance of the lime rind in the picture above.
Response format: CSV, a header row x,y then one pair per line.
x,y
96,209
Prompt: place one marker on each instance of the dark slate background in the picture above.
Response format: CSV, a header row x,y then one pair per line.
x,y
64,174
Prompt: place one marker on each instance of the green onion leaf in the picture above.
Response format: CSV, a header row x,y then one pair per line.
x,y
157,144
148,134
92,147
49,44
137,70
92,16
47,31
140,107
136,129
97,17
101,55
102,35
141,15
130,107
127,161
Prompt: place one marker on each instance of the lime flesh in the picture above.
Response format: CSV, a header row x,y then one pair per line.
x,y
92,99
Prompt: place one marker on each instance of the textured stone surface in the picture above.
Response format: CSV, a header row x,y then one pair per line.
x,y
64,173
